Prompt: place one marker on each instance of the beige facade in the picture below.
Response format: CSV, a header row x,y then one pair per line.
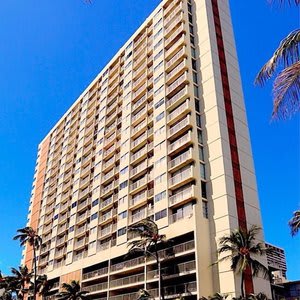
x,y
151,137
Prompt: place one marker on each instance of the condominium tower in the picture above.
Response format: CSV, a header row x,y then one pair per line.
x,y
161,132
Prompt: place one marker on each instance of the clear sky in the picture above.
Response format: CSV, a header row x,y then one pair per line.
x,y
49,52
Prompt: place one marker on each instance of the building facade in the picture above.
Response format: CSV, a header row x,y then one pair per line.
x,y
276,263
162,133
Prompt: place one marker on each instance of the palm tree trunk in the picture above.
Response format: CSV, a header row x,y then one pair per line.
x,y
34,278
242,285
160,283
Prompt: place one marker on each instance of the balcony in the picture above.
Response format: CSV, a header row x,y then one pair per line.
x,y
139,216
84,204
107,231
81,230
96,273
173,25
178,70
139,115
180,127
61,241
172,38
171,7
96,287
140,183
82,217
177,84
139,168
105,204
173,271
179,216
128,264
139,127
180,54
62,229
142,153
139,102
139,92
84,193
59,264
174,12
181,178
182,197
177,113
132,280
80,243
176,291
108,216
139,199
181,160
60,253
80,256
110,187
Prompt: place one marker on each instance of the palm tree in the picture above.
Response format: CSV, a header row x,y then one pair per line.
x,y
29,235
143,295
19,281
286,86
294,223
149,239
43,286
242,246
72,291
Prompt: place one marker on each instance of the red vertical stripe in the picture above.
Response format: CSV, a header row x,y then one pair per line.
x,y
240,205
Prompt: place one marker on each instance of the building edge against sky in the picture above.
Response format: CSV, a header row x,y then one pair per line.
x,y
160,132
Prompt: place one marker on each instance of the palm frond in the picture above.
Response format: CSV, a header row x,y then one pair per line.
x,y
286,54
286,91
294,223
258,267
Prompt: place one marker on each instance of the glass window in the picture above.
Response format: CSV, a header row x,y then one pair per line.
x,y
205,209
122,231
161,214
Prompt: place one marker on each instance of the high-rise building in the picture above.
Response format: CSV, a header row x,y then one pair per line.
x,y
276,263
162,133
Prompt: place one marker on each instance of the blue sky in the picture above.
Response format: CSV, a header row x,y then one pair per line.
x,y
50,50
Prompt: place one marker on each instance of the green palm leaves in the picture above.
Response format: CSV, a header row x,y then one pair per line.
x,y
294,223
286,87
243,250
72,291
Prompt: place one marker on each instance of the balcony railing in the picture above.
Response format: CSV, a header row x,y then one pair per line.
x,y
185,194
183,123
172,24
177,83
180,215
173,36
127,280
139,216
96,287
176,70
175,113
181,176
96,273
178,143
180,159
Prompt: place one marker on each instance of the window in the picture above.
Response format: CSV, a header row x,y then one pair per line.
x,y
160,116
158,34
71,229
200,136
122,231
123,185
74,204
161,214
123,215
198,120
159,179
202,171
158,44
160,161
158,55
158,78
92,244
205,209
124,171
159,90
160,146
197,105
158,66
55,217
93,230
159,103
160,196
196,91
203,189
94,216
161,130
123,200
195,78
157,23
95,202
201,153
